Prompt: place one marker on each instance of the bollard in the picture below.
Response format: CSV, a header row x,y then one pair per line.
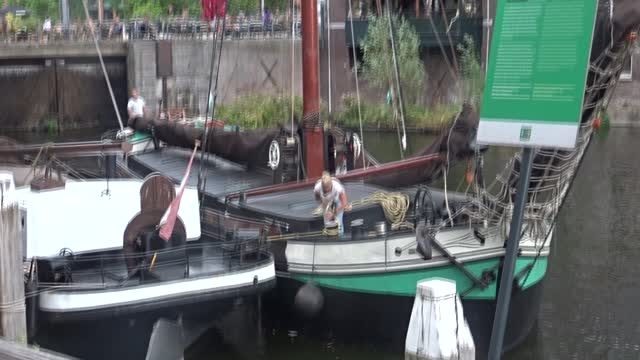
x,y
438,329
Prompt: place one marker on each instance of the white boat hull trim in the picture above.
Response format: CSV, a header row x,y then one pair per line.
x,y
59,302
379,255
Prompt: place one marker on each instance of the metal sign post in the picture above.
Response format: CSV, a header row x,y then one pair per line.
x,y
509,264
534,94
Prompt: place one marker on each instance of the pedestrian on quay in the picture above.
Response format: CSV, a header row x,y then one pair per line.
x,y
136,108
116,27
46,29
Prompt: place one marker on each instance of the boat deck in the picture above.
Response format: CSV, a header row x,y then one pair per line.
x,y
222,176
300,204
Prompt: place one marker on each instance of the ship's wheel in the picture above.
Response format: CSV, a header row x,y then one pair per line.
x,y
274,155
141,240
357,146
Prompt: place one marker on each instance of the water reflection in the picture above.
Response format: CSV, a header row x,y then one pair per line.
x,y
384,146
41,137
591,291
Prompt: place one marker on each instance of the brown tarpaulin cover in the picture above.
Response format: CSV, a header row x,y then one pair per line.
x,y
247,147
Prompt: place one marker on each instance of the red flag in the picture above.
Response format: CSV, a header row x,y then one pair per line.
x,y
205,10
212,8
220,8
168,220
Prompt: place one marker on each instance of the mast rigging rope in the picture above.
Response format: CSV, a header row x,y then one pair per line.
x,y
104,69
355,64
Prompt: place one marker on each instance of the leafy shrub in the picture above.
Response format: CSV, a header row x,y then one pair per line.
x,y
378,56
382,116
472,75
259,111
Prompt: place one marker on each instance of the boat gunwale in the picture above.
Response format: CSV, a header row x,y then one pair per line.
x,y
267,266
399,266
266,261
480,254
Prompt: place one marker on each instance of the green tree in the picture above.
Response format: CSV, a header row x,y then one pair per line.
x,y
471,71
253,6
127,9
235,6
378,56
115,6
39,8
274,5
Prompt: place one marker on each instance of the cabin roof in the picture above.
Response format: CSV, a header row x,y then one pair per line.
x,y
83,218
222,176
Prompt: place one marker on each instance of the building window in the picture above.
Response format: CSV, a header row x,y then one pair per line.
x,y
627,69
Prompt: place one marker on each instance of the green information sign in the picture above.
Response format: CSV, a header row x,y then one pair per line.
x,y
537,72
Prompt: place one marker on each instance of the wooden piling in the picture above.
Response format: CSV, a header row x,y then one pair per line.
x,y
13,351
13,322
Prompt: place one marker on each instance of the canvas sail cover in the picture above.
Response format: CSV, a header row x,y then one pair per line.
x,y
249,147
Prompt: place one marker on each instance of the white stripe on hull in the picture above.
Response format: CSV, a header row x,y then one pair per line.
x,y
378,255
82,300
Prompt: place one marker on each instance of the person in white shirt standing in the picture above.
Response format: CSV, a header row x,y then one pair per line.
x,y
330,193
46,28
136,108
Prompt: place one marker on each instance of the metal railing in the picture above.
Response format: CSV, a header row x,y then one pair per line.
x,y
109,270
247,28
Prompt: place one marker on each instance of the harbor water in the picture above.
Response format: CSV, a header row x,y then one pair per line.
x,y
592,284
593,280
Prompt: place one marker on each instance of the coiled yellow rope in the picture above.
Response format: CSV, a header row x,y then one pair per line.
x,y
394,204
331,231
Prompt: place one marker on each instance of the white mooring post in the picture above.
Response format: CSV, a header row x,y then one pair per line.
x,y
438,329
13,322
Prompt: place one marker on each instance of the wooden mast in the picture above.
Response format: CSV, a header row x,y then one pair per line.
x,y
312,125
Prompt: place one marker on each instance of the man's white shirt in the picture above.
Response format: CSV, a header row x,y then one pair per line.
x,y
136,106
331,196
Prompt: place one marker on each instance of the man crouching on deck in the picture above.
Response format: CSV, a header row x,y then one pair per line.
x,y
330,194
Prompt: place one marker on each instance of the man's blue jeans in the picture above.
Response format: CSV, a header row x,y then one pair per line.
x,y
338,216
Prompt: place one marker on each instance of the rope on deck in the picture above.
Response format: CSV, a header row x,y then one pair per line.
x,y
394,204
